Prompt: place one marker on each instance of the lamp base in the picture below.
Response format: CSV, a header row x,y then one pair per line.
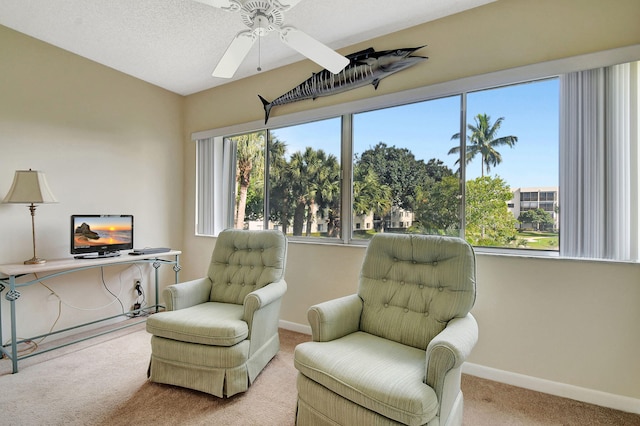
x,y
34,261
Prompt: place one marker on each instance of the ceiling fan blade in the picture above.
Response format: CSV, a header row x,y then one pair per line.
x,y
287,4
221,4
313,49
235,54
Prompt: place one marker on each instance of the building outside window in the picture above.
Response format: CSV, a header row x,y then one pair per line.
x,y
533,199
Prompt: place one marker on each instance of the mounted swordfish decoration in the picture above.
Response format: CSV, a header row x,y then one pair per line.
x,y
365,67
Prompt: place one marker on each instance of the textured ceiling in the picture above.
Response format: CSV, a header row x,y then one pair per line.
x,y
176,44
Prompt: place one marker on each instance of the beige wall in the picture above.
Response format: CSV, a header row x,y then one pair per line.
x,y
108,143
574,323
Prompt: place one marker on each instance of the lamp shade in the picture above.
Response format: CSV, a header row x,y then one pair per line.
x,y
29,186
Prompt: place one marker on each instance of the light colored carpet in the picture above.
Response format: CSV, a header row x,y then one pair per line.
x,y
103,382
489,403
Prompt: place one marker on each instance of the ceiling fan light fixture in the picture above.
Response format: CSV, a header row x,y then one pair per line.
x,y
261,25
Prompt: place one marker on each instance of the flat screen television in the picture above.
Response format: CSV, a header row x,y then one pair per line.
x,y
100,235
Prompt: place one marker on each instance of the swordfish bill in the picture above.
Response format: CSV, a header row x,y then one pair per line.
x,y
364,68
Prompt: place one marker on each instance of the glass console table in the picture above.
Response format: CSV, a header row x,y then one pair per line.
x,y
54,268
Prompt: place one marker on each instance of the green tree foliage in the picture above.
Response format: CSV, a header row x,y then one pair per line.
x,y
396,168
437,170
313,178
325,188
369,194
281,202
306,188
488,220
536,217
438,207
483,139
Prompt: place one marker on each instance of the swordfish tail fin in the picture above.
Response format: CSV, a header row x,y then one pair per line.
x,y
267,108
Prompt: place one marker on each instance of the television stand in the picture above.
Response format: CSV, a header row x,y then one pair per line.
x,y
101,255
9,278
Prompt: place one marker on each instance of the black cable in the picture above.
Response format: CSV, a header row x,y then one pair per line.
x,y
143,302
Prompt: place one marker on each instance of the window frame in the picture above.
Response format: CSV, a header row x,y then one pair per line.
x,y
460,87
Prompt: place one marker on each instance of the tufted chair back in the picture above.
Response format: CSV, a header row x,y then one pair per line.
x,y
412,285
245,261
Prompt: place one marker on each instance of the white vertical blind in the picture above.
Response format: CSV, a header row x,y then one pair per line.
x,y
617,135
213,185
596,137
634,114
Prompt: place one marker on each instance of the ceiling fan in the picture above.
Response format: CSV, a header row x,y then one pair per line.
x,y
262,17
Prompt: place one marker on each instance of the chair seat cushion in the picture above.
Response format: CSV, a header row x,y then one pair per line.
x,y
210,323
381,375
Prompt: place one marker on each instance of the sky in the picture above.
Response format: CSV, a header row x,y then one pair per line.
x,y
530,111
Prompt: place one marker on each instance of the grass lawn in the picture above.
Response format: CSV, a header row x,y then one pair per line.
x,y
539,240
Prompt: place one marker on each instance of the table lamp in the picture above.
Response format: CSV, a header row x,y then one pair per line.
x,y
30,187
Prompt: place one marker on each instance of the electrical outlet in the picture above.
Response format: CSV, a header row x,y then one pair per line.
x,y
135,309
136,282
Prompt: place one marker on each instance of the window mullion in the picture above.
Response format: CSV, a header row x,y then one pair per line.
x,y
267,186
463,162
346,178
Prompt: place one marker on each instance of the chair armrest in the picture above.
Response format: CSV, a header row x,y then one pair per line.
x,y
449,349
335,318
262,314
186,294
262,297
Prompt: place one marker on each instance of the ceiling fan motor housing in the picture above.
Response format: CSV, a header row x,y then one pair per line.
x,y
262,16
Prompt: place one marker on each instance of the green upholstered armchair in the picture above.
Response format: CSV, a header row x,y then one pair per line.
x,y
392,353
220,331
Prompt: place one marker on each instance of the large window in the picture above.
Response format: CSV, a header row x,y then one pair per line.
x,y
403,179
405,171
512,159
304,180
483,165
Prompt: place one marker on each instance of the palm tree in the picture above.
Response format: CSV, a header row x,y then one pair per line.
x,y
314,162
249,157
304,168
297,177
327,192
483,140
369,195
280,191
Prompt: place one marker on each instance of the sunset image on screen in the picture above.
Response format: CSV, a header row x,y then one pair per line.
x,y
97,231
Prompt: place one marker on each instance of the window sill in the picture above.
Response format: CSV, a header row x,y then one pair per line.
x,y
479,250
540,254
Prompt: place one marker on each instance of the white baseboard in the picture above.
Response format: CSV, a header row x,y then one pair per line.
x,y
603,399
304,329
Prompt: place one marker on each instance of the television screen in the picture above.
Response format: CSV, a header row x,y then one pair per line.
x,y
101,235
